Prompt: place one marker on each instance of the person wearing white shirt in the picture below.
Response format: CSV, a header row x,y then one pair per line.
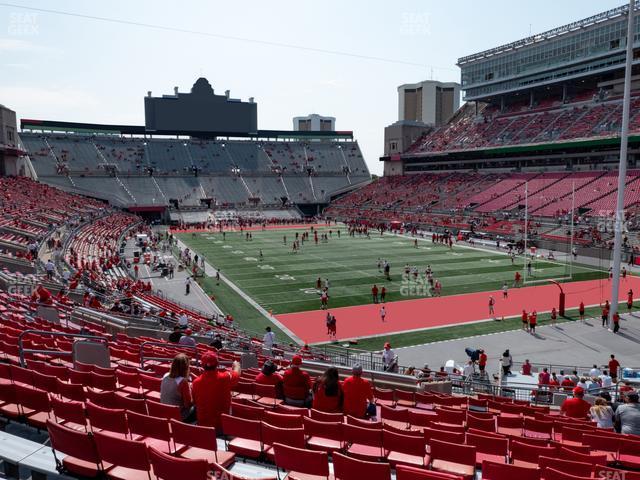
x,y
269,339
183,320
595,372
387,355
467,371
606,379
582,384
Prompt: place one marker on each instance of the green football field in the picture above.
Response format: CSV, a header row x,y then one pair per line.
x,y
284,282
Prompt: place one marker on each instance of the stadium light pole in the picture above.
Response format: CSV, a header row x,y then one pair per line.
x,y
622,168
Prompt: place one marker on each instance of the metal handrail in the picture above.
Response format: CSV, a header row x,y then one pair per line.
x,y
23,350
144,358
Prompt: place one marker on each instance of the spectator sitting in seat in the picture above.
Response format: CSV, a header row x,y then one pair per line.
x,y
212,391
175,388
602,413
327,392
627,416
174,337
268,376
187,339
576,407
296,384
358,394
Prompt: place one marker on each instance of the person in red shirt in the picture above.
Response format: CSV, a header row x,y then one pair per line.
x,y
581,311
526,367
358,393
44,295
327,392
268,376
554,316
553,381
605,315
630,299
374,293
296,384
533,321
212,391
482,361
516,282
525,320
616,322
383,294
576,407
567,384
544,377
614,366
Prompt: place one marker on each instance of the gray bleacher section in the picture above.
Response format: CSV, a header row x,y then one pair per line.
x,y
173,161
187,190
299,189
41,157
79,154
169,156
268,188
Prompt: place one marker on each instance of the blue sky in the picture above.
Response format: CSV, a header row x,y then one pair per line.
x,y
76,69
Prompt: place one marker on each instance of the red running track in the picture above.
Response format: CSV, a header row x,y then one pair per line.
x,y
419,314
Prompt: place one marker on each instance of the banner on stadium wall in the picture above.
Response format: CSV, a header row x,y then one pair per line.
x,y
21,288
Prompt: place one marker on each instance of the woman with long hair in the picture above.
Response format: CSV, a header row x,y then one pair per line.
x,y
327,392
602,413
175,388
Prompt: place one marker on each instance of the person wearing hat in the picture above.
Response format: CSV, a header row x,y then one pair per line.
x,y
576,407
627,416
296,384
212,390
358,393
187,339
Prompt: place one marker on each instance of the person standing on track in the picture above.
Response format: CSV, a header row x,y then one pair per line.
x,y
492,302
505,291
383,313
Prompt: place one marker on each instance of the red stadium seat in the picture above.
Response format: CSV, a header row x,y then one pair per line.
x,y
489,448
553,474
455,459
293,437
153,431
126,459
505,471
404,472
525,455
246,438
299,462
198,442
346,468
282,420
69,413
107,419
485,424
630,453
579,469
71,391
79,449
167,467
323,436
157,409
363,443
326,417
404,449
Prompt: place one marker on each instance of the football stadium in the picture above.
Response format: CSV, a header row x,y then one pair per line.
x,y
189,295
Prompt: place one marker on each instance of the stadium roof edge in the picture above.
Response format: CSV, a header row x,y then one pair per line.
x,y
104,129
540,37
